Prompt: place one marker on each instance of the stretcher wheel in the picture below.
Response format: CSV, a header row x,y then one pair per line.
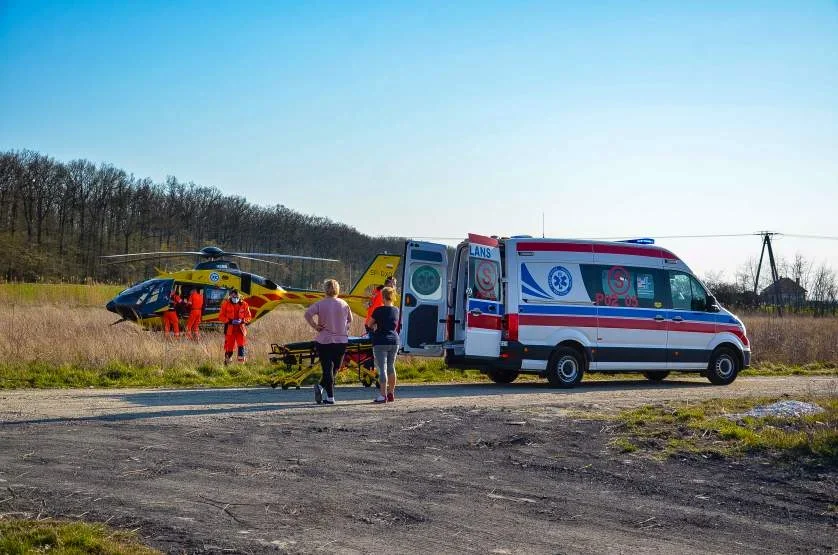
x,y
285,386
298,387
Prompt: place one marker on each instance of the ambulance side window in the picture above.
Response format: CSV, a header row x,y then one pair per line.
x,y
591,277
625,286
699,300
681,290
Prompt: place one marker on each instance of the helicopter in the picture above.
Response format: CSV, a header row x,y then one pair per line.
x,y
216,276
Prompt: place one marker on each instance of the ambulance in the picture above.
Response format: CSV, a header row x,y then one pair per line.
x,y
560,307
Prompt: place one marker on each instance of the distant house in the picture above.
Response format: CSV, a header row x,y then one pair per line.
x,y
788,292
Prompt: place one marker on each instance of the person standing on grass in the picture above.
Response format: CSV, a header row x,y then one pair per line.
x,y
384,321
331,318
235,315
196,305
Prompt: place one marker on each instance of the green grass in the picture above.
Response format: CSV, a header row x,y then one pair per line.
x,y
66,538
777,369
707,428
118,373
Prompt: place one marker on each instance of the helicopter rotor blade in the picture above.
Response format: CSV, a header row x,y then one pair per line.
x,y
141,259
163,254
251,258
289,256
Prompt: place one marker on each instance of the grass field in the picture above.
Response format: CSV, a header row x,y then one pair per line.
x,y
713,428
61,336
66,538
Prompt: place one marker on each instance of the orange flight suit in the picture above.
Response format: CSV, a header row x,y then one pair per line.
x,y
375,301
170,319
234,316
196,305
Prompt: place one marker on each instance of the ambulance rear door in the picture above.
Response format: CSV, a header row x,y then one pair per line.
x,y
424,309
484,307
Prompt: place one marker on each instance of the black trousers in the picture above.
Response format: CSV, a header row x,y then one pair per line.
x,y
331,357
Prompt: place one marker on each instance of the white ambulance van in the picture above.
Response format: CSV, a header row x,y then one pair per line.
x,y
560,307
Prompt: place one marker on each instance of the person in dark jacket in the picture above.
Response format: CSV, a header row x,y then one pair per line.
x,y
384,322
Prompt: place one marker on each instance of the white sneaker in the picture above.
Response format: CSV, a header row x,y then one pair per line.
x,y
328,400
380,399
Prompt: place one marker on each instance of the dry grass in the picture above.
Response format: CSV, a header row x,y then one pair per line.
x,y
84,337
793,340
61,335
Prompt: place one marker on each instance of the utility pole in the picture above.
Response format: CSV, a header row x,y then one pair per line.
x,y
775,284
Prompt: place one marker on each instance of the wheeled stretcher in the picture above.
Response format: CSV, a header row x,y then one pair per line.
x,y
298,361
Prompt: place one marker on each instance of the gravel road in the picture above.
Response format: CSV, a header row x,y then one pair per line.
x,y
447,468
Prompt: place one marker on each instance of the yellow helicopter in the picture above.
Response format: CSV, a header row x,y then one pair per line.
x,y
144,302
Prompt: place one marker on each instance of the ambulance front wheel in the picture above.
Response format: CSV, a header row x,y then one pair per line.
x,y
565,368
503,376
724,366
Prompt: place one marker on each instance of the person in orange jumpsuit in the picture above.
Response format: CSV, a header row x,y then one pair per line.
x,y
235,315
196,305
169,316
376,300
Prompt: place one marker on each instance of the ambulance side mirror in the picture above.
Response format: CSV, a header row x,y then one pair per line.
x,y
712,304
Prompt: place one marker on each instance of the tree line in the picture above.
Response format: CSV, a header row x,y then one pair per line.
x,y
744,292
58,219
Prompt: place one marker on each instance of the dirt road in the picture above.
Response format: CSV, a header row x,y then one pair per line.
x,y
447,468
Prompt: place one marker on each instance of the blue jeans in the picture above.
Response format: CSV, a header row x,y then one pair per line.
x,y
385,361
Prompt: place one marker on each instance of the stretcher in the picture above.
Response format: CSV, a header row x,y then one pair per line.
x,y
298,361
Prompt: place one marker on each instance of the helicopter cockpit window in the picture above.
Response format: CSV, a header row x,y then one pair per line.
x,y
153,291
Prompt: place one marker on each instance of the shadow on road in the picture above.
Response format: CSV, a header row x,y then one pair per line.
x,y
177,403
411,391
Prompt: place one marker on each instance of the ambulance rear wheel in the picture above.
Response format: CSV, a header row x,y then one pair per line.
x,y
655,376
724,366
565,368
503,376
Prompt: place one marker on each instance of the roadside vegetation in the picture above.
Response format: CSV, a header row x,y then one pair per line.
x,y
61,336
66,538
717,428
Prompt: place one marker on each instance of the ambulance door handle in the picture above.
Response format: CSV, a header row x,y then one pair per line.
x,y
475,312
658,317
677,319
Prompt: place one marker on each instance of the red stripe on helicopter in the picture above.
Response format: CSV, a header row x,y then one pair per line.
x,y
291,296
256,302
273,296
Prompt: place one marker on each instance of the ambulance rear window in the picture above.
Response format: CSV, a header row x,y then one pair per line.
x,y
485,278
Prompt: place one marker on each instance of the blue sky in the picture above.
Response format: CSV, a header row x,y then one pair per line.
x,y
443,118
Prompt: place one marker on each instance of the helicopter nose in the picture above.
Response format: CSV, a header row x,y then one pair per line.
x,y
111,306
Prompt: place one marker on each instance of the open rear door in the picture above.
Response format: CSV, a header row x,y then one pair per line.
x,y
484,307
424,309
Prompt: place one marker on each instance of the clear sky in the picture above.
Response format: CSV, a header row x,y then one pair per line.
x,y
437,119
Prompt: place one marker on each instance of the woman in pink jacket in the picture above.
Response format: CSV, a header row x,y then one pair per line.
x,y
330,317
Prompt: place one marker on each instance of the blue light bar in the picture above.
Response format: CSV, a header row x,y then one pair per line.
x,y
641,241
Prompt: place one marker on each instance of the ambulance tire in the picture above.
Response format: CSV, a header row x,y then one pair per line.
x,y
724,366
503,376
655,376
565,368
